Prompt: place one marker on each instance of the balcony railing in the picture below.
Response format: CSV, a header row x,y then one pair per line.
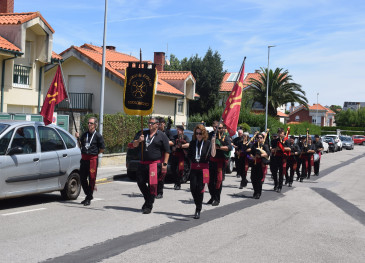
x,y
79,102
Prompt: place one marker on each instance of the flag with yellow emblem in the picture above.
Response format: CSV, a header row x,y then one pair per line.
x,y
233,104
55,95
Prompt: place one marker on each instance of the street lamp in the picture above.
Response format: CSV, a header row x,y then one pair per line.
x,y
267,86
101,115
317,112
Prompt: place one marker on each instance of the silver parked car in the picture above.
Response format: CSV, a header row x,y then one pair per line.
x,y
35,158
347,142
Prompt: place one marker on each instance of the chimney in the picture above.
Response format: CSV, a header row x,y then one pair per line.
x,y
257,71
6,6
159,60
112,48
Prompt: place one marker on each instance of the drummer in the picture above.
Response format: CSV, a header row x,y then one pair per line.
x,y
318,148
310,158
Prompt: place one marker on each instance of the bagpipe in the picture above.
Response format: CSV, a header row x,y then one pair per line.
x,y
305,145
219,141
282,141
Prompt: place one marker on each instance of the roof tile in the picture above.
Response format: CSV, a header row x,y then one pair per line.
x,y
20,18
5,44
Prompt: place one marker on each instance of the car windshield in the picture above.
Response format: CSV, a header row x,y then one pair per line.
x,y
3,127
328,139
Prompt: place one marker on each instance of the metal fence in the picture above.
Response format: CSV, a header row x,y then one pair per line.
x,y
79,101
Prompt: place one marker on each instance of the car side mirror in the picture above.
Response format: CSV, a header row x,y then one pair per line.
x,y
15,150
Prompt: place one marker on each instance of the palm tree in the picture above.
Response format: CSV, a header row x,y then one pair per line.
x,y
281,90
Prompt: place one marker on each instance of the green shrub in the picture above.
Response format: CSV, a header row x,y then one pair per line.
x,y
118,130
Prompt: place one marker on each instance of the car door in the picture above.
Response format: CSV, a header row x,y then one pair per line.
x,y
53,159
19,172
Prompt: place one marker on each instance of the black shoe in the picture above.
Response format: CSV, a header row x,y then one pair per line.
x,y
301,179
146,210
144,206
197,214
257,196
285,182
87,202
308,177
278,190
177,187
316,174
290,184
275,188
159,196
238,176
241,187
83,202
210,201
297,178
215,203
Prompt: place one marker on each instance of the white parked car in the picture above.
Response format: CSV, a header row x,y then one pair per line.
x,y
325,145
35,158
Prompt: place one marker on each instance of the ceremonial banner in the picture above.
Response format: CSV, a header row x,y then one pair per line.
x,y
55,95
139,90
233,104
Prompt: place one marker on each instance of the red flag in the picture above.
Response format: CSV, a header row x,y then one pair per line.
x,y
233,104
55,95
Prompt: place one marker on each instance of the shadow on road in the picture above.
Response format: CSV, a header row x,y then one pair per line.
x,y
30,200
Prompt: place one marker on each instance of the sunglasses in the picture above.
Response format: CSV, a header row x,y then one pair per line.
x,y
260,137
151,123
91,123
198,133
220,128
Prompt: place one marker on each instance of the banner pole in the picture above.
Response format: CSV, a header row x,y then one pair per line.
x,y
140,66
68,98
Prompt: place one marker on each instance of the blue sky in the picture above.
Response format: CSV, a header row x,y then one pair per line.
x,y
320,42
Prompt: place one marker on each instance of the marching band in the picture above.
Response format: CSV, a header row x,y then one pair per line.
x,y
208,155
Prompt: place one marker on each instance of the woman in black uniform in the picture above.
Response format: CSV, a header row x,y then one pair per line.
x,y
199,151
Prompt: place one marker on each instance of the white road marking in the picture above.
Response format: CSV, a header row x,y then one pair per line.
x,y
26,211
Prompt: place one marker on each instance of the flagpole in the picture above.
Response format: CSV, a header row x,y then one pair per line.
x,y
101,115
68,98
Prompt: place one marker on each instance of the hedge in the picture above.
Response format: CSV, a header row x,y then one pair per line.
x,y
118,130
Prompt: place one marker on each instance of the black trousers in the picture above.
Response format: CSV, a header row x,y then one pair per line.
x,y
291,164
256,178
175,167
299,164
196,187
241,171
213,176
316,166
277,171
305,164
142,177
87,183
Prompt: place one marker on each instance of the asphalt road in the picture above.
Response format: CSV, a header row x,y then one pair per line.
x,y
319,220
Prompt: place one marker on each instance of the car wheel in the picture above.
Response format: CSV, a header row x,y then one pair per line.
x,y
131,175
230,166
72,188
363,143
186,176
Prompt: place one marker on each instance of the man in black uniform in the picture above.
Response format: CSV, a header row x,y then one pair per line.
x,y
161,176
279,149
241,146
180,145
92,143
260,150
292,160
154,144
217,165
318,148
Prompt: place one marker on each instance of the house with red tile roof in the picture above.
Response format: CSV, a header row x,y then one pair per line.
x,y
316,114
25,47
82,73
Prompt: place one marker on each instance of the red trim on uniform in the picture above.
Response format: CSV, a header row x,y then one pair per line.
x,y
152,172
92,170
220,162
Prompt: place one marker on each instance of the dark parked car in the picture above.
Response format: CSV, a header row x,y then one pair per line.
x,y
347,142
332,145
132,160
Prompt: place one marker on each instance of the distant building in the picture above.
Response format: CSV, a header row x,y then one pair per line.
x,y
316,114
353,105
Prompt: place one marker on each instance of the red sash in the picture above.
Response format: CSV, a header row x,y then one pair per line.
x,y
152,172
93,168
284,165
264,172
180,155
246,165
220,162
162,174
312,160
205,169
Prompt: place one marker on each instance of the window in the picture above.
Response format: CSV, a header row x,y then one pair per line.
x,y
50,140
180,106
4,142
70,143
25,137
297,118
21,76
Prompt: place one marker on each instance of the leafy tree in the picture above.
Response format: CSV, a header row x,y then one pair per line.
x,y
208,73
336,108
351,118
281,90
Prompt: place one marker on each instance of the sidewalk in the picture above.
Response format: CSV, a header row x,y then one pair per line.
x,y
109,172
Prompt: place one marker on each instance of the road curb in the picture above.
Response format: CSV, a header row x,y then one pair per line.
x,y
110,178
